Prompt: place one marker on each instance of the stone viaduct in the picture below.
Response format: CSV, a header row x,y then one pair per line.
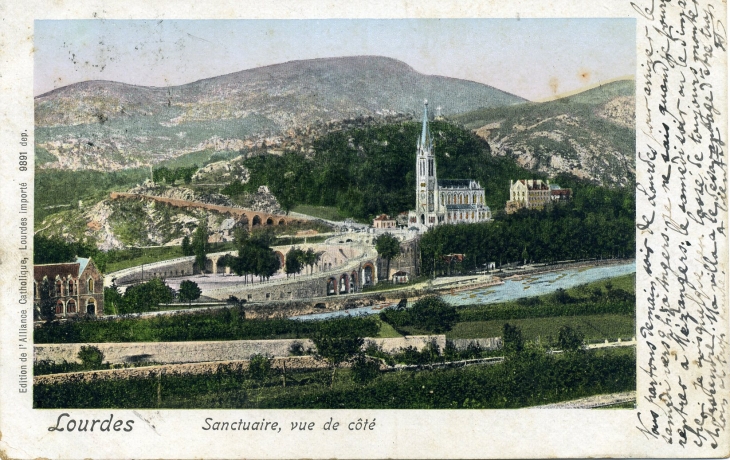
x,y
243,216
342,269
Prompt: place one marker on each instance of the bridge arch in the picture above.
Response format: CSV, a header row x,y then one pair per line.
x,y
242,221
282,222
331,286
368,274
269,221
256,221
343,285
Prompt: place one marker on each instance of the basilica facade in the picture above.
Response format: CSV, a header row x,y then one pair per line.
x,y
445,201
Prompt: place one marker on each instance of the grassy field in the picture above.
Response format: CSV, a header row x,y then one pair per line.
x,y
596,328
199,158
323,212
598,312
57,188
386,330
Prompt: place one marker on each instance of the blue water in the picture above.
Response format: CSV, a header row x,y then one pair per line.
x,y
528,286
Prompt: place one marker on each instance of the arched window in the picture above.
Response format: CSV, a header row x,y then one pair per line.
x,y
70,287
90,307
59,307
71,306
90,286
59,288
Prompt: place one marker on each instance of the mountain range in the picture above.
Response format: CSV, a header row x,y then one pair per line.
x,y
590,134
105,125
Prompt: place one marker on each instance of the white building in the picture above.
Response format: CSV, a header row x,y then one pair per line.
x,y
439,202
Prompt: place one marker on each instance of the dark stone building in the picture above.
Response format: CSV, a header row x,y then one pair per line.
x,y
76,287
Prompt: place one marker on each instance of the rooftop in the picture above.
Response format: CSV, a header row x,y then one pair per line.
x,y
458,183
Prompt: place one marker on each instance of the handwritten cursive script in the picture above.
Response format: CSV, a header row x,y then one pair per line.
x,y
682,214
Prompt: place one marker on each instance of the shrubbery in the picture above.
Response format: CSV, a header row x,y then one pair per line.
x,y
430,313
533,377
223,324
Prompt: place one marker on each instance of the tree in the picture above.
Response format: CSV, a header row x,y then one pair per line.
x,y
570,340
512,341
267,263
187,248
562,296
51,250
311,258
259,368
364,369
388,247
294,261
189,291
47,304
112,299
338,340
433,314
145,296
200,244
91,357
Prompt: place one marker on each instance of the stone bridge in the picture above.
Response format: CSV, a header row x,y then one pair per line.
x,y
243,216
342,269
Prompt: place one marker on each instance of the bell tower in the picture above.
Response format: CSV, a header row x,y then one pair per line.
x,y
426,184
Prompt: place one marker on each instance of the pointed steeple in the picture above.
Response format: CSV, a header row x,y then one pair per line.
x,y
425,141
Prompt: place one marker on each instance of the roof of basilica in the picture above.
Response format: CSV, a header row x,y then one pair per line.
x,y
454,183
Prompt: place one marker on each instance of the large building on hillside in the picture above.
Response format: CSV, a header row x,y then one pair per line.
x,y
77,288
439,202
534,194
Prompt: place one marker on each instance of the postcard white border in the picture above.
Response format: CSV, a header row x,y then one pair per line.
x,y
177,433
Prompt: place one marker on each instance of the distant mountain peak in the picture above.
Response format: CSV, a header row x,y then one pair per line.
x,y
107,124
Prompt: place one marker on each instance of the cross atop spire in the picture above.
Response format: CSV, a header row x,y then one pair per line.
x,y
425,141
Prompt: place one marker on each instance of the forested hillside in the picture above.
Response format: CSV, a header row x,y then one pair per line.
x,y
367,171
597,223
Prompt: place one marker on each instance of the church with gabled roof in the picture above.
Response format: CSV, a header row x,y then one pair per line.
x,y
77,288
445,201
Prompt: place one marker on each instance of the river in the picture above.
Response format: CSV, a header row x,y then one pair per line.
x,y
528,286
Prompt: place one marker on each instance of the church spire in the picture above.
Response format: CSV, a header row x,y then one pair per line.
x,y
425,140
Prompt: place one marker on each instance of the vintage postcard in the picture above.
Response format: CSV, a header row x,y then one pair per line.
x,y
364,230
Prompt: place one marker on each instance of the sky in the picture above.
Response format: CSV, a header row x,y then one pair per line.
x,y
531,58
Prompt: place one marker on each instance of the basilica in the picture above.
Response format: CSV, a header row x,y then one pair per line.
x,y
445,201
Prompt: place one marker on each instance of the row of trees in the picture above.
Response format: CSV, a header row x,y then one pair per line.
x,y
54,250
255,256
297,259
598,223
169,176
148,296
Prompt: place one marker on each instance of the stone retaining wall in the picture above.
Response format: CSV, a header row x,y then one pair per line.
x,y
491,343
181,266
199,352
291,364
392,345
